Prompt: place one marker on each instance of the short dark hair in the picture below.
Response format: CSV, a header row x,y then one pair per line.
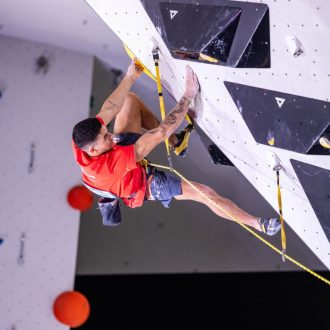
x,y
85,132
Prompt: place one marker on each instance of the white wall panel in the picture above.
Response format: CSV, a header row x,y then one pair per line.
x,y
38,109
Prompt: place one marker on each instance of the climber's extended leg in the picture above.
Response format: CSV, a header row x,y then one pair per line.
x,y
190,193
266,225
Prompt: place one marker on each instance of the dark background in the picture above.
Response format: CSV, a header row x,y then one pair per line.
x,y
278,300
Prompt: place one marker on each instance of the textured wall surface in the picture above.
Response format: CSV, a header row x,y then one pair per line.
x,y
38,227
220,116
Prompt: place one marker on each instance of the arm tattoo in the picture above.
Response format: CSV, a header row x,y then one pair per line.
x,y
115,105
172,117
160,128
184,99
151,132
166,127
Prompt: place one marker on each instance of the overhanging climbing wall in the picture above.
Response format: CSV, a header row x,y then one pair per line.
x,y
264,75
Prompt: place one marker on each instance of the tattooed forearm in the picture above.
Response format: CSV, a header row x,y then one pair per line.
x,y
178,109
159,129
113,104
175,117
170,119
183,100
153,131
166,128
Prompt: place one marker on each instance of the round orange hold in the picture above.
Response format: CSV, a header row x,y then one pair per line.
x,y
71,308
80,198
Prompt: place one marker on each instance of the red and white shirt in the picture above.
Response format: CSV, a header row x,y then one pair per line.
x,y
115,171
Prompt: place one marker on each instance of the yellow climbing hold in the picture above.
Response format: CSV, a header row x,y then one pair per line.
x,y
145,70
271,141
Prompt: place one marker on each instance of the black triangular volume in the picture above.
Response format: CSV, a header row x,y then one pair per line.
x,y
217,156
281,120
219,47
222,32
316,184
257,52
193,27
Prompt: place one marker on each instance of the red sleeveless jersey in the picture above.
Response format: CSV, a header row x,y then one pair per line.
x,y
115,171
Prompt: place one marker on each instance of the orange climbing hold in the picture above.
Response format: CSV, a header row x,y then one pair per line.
x,y
71,308
80,198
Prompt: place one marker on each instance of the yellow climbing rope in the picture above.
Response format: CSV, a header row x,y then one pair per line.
x,y
297,263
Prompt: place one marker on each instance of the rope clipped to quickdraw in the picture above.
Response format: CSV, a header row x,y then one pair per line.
x,y
155,56
277,168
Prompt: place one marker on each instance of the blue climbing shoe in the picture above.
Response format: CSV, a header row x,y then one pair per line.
x,y
270,226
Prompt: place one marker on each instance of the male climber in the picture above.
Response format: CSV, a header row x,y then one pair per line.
x,y
111,161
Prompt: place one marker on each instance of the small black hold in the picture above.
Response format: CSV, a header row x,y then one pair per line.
x,y
32,156
217,156
116,72
298,52
42,64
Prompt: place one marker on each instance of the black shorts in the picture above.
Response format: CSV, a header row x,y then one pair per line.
x,y
125,139
164,186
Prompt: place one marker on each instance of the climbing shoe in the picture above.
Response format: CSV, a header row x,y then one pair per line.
x,y
325,141
181,147
270,226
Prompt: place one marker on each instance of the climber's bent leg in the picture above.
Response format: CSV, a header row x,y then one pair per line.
x,y
135,116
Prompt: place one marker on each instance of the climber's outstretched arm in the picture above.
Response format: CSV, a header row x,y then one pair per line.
x,y
167,127
114,103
